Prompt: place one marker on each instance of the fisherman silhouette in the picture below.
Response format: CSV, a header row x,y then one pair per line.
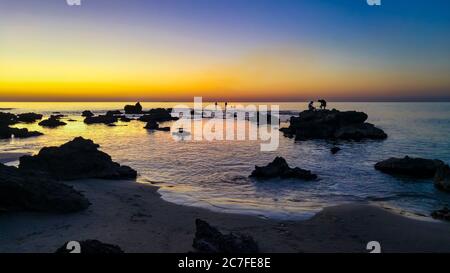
x,y
323,104
311,106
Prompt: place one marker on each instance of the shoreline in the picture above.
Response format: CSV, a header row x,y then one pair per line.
x,y
134,216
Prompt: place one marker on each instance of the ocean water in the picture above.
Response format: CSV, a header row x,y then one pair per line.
x,y
214,174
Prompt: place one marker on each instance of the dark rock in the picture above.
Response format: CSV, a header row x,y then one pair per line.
x,y
7,119
52,122
442,214
21,191
113,113
124,119
158,115
333,124
133,109
87,113
6,132
279,168
413,167
29,117
152,125
335,150
209,239
92,247
442,178
103,119
360,132
57,116
76,159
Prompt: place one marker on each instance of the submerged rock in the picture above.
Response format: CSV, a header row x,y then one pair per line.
x,y
7,132
52,122
279,168
124,119
21,191
442,214
442,178
87,113
413,167
29,117
92,247
209,239
76,159
335,150
102,119
332,124
133,109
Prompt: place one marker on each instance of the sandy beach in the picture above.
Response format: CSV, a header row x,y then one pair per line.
x,y
133,216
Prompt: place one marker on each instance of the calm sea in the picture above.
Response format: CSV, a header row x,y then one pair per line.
x,y
214,174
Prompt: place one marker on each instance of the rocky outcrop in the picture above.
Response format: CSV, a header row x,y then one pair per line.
x,y
158,115
209,239
332,124
7,119
29,117
87,113
442,214
91,247
113,113
280,168
102,119
21,191
408,166
76,159
7,132
442,178
52,122
133,109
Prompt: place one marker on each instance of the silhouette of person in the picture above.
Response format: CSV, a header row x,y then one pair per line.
x,y
311,106
323,104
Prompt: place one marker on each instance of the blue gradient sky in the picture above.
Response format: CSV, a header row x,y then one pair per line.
x,y
234,49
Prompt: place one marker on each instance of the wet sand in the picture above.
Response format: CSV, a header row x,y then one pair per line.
x,y
133,216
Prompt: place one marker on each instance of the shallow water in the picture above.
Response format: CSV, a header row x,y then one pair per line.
x,y
215,174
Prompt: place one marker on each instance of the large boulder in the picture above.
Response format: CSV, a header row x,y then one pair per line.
x,y
442,178
209,239
52,122
409,166
7,132
91,247
87,113
29,117
76,159
158,115
21,191
102,119
280,168
133,109
332,124
7,119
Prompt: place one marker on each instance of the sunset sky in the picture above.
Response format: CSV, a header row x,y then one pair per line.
x,y
232,50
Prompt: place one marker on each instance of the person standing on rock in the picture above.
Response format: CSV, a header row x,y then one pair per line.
x,y
311,106
323,104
